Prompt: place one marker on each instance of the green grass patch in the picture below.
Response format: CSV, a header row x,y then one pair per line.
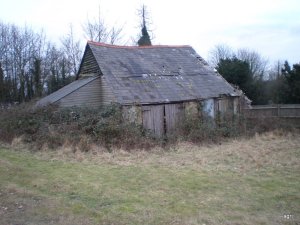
x,y
38,191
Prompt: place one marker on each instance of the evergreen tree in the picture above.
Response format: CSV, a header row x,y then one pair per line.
x,y
236,72
145,39
292,77
37,77
2,87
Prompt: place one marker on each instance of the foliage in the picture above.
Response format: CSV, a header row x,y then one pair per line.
x,y
220,51
292,80
199,129
145,39
31,66
54,127
249,70
237,72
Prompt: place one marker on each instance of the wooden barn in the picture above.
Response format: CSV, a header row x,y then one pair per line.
x,y
155,85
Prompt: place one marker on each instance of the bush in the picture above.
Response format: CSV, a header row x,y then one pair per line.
x,y
78,126
205,129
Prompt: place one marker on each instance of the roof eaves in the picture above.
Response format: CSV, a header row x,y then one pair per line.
x,y
137,47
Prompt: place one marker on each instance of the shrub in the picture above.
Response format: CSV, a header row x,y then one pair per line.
x,y
81,126
205,129
53,126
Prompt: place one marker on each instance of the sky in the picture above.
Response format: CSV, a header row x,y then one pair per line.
x,y
269,27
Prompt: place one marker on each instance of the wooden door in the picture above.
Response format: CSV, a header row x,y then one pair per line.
x,y
173,116
153,119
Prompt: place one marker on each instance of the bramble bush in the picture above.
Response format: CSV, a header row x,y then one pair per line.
x,y
79,127
53,127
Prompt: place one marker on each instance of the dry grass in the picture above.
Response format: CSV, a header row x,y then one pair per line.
x,y
241,181
271,149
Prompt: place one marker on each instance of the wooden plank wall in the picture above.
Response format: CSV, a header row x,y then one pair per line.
x,y
227,107
153,119
89,64
95,94
163,119
282,111
174,113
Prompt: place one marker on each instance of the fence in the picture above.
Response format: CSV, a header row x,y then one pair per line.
x,y
269,111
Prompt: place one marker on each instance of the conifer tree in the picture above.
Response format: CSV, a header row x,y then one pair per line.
x,y
145,39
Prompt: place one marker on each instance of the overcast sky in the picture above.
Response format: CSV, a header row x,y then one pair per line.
x,y
270,27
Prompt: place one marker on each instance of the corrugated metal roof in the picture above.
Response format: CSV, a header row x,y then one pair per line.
x,y
156,74
64,91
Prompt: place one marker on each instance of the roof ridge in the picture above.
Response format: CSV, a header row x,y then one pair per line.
x,y
137,47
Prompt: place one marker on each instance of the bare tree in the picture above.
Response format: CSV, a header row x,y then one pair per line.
x,y
276,70
72,51
2,87
220,51
115,35
97,30
256,62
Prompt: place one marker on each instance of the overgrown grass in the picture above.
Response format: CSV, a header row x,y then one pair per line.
x,y
253,181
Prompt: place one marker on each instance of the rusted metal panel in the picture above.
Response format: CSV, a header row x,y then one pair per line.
x,y
153,119
173,115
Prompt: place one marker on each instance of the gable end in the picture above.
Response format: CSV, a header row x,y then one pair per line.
x,y
89,65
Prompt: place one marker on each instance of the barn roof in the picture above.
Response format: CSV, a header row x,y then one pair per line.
x,y
156,74
64,91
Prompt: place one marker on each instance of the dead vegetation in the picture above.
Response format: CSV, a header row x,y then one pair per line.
x,y
87,129
240,154
240,181
78,128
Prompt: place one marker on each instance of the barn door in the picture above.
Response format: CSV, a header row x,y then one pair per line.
x,y
173,115
162,119
153,119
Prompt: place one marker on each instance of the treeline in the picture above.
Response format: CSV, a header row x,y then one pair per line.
x,y
31,66
262,83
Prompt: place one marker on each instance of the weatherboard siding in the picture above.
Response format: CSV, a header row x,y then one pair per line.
x,y
94,94
89,64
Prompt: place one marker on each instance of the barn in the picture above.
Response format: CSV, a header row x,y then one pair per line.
x,y
155,85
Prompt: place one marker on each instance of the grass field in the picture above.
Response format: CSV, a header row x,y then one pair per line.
x,y
253,181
